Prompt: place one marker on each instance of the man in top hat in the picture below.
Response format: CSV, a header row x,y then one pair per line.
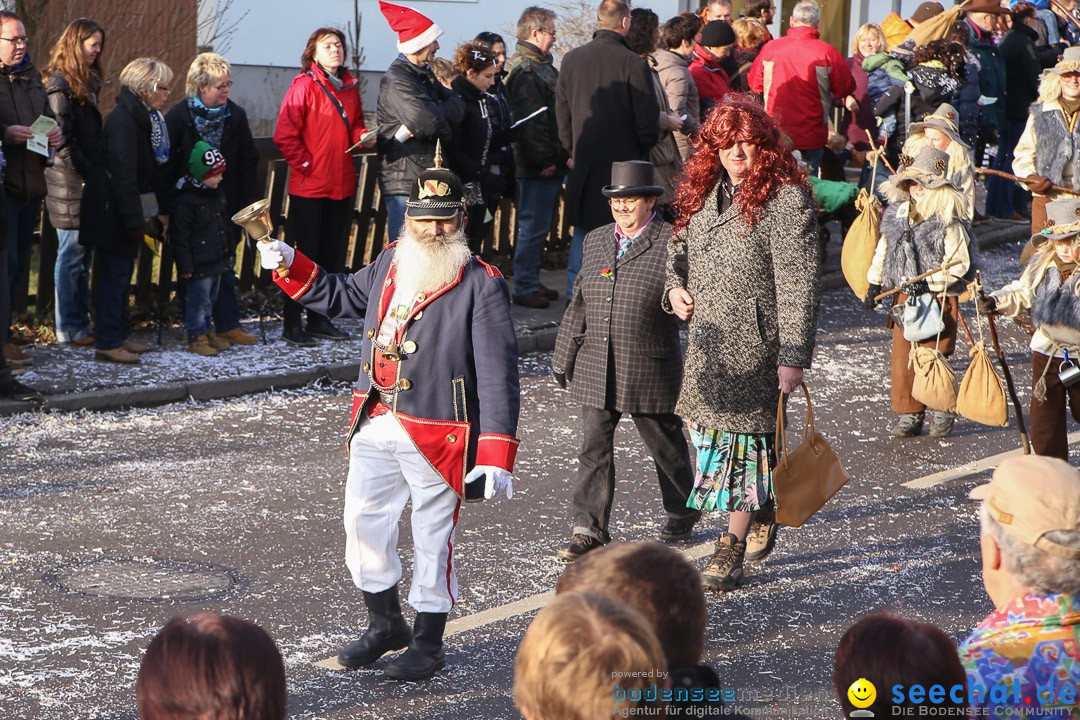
x,y
1024,658
414,110
1048,152
434,415
620,353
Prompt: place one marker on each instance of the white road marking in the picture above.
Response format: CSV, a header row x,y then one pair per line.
x,y
971,468
513,609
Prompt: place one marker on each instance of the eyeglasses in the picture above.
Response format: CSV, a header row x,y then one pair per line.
x,y
224,86
20,40
162,88
625,202
547,32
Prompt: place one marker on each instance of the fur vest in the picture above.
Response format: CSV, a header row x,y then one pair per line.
x,y
1056,304
913,249
1055,145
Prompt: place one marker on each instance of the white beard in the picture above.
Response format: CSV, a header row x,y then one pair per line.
x,y
425,264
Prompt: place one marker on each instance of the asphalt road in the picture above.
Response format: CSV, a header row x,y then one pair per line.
x,y
111,523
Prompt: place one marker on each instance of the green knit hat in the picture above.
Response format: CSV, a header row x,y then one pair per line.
x,y
205,161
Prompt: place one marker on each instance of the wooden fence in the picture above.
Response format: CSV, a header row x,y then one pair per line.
x,y
154,281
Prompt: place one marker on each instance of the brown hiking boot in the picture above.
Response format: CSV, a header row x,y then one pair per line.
x,y
201,346
762,537
578,546
725,569
15,357
237,336
217,342
133,347
119,355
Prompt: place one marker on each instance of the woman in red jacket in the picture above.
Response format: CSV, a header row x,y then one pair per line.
x,y
321,117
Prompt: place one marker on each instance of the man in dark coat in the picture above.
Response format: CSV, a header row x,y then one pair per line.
x,y
22,101
607,112
435,410
620,351
414,110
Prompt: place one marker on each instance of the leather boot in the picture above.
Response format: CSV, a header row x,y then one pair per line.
x,y
386,631
425,654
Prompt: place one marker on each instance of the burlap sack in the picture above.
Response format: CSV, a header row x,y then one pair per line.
x,y
935,383
982,394
860,242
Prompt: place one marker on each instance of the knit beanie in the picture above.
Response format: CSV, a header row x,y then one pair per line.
x,y
717,34
205,161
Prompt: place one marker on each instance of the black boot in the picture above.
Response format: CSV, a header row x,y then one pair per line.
x,y
425,654
386,632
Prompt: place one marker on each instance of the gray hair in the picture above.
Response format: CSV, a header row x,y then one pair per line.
x,y
143,75
533,19
206,69
807,12
1035,568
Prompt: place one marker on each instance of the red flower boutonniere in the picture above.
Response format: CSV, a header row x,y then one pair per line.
x,y
607,273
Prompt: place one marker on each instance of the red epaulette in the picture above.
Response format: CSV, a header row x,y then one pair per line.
x,y
492,271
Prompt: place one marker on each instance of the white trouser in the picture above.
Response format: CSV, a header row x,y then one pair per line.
x,y
385,470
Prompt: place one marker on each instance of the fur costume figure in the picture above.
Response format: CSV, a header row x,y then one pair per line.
x,y
924,226
942,130
1049,288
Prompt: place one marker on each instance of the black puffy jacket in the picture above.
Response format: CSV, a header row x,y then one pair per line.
x,y
201,235
410,96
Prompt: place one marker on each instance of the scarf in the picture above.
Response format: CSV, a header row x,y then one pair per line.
x,y
209,122
336,82
1066,269
1069,106
159,137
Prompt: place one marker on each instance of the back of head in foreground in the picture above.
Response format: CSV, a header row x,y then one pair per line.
x,y
657,581
587,656
211,667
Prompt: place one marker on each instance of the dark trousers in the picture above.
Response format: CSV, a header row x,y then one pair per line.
x,y
5,298
663,436
23,215
1049,434
316,227
111,291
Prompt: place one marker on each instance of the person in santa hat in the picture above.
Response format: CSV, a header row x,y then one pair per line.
x,y
434,415
414,111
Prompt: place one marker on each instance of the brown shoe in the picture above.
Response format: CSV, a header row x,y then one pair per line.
x,y
202,346
133,347
578,546
15,357
120,355
216,342
237,336
725,569
548,294
762,537
533,300
85,341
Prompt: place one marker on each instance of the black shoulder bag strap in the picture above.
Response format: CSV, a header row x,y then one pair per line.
x,y
335,102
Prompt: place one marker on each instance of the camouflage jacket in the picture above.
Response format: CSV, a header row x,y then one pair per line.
x,y
531,86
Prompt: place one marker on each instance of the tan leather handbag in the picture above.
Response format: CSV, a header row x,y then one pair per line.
x,y
806,478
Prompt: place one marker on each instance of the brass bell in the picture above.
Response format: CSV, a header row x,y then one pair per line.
x,y
408,347
391,352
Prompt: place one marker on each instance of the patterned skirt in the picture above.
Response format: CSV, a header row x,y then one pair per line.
x,y
734,470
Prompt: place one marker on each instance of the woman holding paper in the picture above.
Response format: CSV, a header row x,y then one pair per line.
x,y
321,119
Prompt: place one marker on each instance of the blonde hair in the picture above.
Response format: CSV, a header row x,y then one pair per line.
x,y
142,76
205,69
749,32
577,650
1049,87
869,29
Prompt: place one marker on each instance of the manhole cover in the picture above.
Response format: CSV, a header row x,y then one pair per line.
x,y
146,579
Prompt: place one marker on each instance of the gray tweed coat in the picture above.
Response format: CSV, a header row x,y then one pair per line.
x,y
755,308
615,328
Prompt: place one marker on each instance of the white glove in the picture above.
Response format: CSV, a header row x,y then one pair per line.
x,y
273,253
496,479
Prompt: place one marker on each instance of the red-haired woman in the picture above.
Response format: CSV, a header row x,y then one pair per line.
x,y
321,117
743,270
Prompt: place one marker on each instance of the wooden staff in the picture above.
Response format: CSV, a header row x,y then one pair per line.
x,y
1014,178
879,153
917,278
1025,443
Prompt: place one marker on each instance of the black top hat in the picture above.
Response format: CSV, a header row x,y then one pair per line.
x,y
632,178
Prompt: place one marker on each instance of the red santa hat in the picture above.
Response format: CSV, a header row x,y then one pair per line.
x,y
415,32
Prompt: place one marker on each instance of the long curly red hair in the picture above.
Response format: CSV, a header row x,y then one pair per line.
x,y
739,118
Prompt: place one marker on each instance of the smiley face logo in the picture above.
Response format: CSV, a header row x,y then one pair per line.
x,y
862,693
